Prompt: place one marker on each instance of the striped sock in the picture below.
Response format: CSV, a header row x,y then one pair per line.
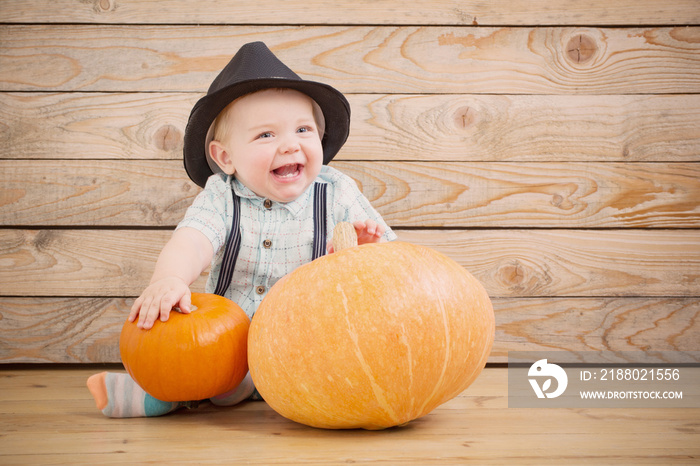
x,y
235,396
117,395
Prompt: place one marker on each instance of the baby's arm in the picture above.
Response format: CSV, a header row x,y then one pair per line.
x,y
181,261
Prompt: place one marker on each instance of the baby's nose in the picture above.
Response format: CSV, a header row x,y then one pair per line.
x,y
289,145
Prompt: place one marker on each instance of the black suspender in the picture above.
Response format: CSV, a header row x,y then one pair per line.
x,y
233,244
319,247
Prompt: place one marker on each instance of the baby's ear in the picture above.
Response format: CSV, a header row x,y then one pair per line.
x,y
221,157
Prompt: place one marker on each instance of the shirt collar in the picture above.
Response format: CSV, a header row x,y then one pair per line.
x,y
295,207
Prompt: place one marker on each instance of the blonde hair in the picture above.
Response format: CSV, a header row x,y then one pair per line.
x,y
221,128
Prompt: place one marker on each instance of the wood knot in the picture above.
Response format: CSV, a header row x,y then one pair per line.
x,y
43,240
512,273
519,277
562,202
104,6
581,49
168,138
464,117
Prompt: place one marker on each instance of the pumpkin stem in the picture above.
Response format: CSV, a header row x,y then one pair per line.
x,y
344,236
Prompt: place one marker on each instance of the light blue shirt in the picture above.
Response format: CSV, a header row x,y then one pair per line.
x,y
275,240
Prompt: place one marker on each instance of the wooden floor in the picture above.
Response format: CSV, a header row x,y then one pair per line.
x,y
47,417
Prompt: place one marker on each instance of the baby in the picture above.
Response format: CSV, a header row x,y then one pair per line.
x,y
258,143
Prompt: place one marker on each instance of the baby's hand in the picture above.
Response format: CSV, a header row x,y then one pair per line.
x,y
368,231
158,299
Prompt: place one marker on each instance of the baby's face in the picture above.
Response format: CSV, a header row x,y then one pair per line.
x,y
274,143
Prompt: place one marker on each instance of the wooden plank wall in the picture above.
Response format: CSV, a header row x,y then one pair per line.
x,y
551,147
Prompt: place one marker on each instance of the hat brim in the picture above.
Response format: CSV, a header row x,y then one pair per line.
x,y
334,105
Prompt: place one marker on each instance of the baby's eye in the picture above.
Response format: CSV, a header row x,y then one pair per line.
x,y
304,129
265,135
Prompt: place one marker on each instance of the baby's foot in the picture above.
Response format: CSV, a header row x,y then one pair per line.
x,y
98,389
117,395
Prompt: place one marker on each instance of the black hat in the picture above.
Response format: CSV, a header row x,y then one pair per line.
x,y
252,69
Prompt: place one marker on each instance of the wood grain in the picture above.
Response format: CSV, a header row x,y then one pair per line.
x,y
47,416
61,330
551,148
78,262
86,330
510,263
89,126
564,195
515,263
596,324
358,59
629,128
95,192
425,12
428,194
535,128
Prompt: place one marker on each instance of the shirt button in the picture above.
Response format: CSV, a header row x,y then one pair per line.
x,y
260,289
267,243
267,203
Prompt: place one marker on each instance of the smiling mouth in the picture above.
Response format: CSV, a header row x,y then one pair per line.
x,y
288,171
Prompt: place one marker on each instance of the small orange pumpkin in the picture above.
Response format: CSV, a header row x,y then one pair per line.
x,y
371,336
191,356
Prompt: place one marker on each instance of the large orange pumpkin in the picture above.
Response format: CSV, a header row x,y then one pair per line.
x,y
372,336
191,356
